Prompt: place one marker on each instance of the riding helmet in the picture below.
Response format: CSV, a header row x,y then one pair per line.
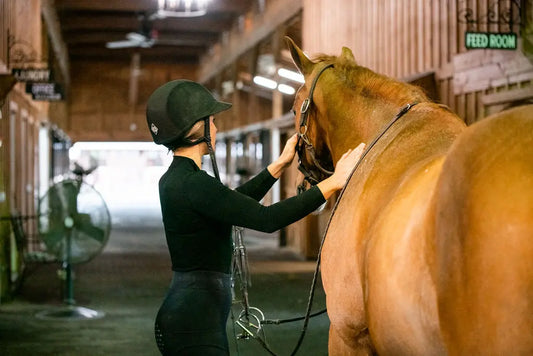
x,y
176,106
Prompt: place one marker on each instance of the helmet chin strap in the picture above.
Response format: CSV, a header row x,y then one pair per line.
x,y
207,140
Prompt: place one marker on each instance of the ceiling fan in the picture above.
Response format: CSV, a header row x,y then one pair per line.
x,y
145,37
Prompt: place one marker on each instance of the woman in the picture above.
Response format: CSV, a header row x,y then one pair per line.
x,y
199,211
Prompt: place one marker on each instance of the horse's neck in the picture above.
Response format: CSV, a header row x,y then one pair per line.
x,y
350,126
422,135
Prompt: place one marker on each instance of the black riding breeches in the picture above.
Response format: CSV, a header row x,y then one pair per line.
x,y
192,318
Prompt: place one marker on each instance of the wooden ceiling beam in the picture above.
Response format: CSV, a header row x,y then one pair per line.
x,y
276,14
53,28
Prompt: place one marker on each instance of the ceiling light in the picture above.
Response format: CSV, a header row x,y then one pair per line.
x,y
265,82
181,8
286,89
292,75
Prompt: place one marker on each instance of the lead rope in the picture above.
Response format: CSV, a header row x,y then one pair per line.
x,y
242,263
250,319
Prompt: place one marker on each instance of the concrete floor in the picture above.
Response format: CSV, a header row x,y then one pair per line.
x,y
128,282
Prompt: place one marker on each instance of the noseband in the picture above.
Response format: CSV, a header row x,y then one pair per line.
x,y
304,143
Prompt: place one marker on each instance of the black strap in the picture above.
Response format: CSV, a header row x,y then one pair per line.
x,y
307,102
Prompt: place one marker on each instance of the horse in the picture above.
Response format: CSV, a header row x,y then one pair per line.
x,y
429,250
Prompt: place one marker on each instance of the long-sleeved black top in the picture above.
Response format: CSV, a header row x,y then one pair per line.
x,y
198,212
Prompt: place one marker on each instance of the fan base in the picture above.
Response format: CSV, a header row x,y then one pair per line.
x,y
69,313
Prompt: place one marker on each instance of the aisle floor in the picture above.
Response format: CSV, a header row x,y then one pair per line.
x,y
128,281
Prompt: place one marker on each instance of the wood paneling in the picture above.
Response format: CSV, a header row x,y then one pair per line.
x,y
401,38
100,108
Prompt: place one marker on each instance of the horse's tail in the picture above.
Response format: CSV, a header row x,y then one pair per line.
x,y
484,238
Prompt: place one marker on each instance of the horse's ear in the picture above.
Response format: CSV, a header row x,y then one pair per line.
x,y
347,54
304,64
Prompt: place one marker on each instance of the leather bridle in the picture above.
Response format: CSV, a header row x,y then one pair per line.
x,y
304,143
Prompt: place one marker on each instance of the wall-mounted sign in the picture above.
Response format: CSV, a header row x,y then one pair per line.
x,y
32,74
45,91
490,40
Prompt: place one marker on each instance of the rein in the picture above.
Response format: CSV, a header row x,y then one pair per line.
x,y
308,315
240,257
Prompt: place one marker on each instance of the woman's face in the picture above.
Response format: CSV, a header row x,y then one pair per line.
x,y
212,130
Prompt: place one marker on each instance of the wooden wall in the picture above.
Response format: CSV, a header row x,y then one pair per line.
x,y
21,46
108,98
402,38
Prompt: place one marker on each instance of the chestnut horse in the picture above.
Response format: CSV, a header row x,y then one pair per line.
x,y
430,248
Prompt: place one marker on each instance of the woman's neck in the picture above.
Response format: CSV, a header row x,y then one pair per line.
x,y
194,152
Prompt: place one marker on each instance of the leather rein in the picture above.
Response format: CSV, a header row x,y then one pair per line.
x,y
304,143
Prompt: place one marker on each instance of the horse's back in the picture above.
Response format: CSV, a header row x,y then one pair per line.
x,y
484,238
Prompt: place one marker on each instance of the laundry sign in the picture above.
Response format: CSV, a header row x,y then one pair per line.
x,y
490,40
32,74
45,91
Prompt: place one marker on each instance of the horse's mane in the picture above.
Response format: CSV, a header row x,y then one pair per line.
x,y
372,84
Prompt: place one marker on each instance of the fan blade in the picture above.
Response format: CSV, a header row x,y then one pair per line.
x,y
147,44
64,198
136,37
70,191
121,44
88,230
84,224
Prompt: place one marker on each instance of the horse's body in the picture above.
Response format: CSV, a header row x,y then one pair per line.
x,y
430,250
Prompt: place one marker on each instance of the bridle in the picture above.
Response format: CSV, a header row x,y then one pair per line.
x,y
304,143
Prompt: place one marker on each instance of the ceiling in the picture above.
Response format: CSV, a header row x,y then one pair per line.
x,y
87,25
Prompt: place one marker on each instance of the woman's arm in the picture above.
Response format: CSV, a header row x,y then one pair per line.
x,y
211,198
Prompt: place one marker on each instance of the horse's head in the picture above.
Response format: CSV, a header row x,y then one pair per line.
x,y
340,105
314,153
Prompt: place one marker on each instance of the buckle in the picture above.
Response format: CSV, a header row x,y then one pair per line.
x,y
305,106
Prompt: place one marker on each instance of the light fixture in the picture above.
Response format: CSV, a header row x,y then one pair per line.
x,y
292,75
265,82
286,89
181,8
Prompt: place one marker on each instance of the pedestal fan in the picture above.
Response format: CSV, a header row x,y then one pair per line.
x,y
74,224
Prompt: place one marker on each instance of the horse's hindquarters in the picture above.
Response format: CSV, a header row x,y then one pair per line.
x,y
484,240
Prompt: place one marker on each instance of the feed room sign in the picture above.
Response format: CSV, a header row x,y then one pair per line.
x,y
490,40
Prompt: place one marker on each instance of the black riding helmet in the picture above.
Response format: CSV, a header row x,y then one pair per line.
x,y
176,106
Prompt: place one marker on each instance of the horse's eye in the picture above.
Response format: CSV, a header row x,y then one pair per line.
x,y
293,112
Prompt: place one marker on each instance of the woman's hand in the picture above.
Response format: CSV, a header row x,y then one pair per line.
x,y
277,167
289,151
343,169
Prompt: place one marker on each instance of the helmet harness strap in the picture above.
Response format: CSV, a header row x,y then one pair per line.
x,y
207,140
